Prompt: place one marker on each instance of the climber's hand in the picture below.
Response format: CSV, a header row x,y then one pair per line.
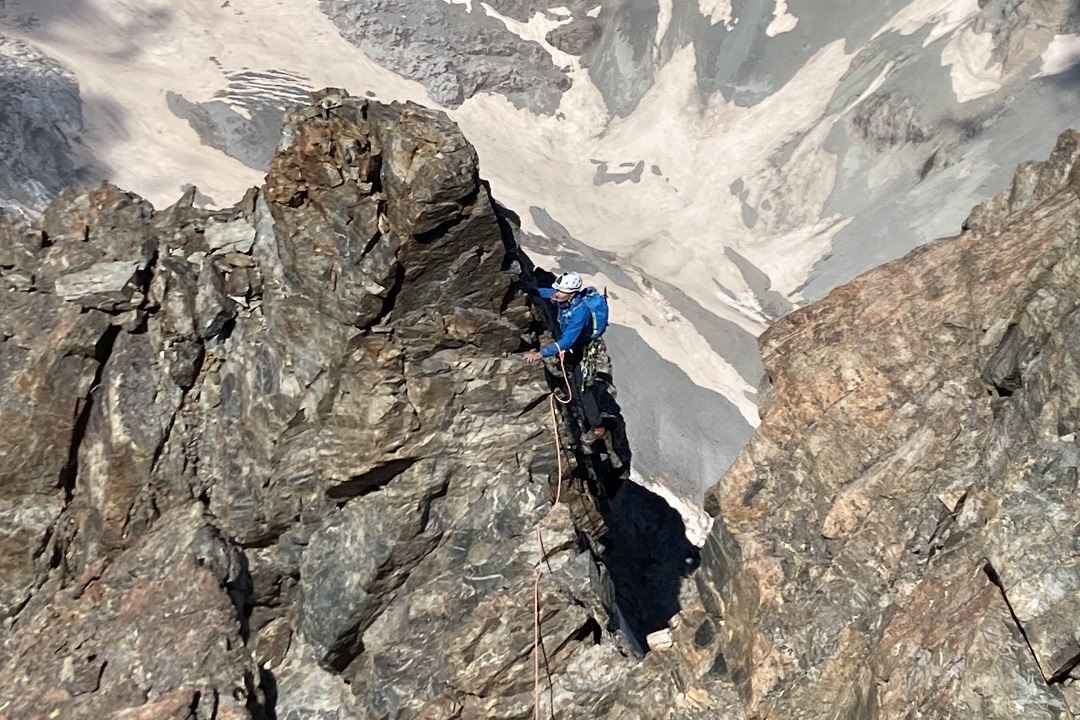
x,y
532,356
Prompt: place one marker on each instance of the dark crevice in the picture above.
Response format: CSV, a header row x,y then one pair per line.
x,y
370,481
102,351
508,297
991,573
425,512
1065,673
533,404
241,591
439,232
392,296
227,329
57,557
466,205
14,614
591,630
165,436
1004,370
262,699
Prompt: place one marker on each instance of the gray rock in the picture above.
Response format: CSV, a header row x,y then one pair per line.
x,y
455,54
386,538
125,640
42,114
214,309
349,481
236,236
576,37
108,286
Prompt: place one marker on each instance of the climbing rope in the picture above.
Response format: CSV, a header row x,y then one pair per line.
x,y
540,538
566,379
536,643
558,448
555,421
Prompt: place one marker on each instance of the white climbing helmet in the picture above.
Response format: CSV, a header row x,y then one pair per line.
x,y
569,282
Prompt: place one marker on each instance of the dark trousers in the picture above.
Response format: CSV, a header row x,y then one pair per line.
x,y
587,397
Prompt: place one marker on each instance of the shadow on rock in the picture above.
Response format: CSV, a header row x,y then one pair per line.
x,y
262,700
647,557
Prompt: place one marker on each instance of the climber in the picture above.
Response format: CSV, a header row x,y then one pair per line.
x,y
582,319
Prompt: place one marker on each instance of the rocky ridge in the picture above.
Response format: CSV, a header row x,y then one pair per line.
x,y
897,538
277,461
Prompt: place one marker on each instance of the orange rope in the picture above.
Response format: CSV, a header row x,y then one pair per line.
x,y
555,421
566,378
558,449
536,643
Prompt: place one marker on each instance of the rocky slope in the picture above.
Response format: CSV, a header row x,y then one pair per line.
x,y
278,461
41,118
713,162
897,540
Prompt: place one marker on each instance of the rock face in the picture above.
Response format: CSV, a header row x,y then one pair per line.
x,y
42,113
455,54
280,461
277,461
885,123
897,539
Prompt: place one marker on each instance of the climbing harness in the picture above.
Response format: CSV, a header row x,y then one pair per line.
x,y
593,364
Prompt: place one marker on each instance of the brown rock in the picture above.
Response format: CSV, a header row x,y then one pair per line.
x,y
886,541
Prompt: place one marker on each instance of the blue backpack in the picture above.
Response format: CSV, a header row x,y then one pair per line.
x,y
598,306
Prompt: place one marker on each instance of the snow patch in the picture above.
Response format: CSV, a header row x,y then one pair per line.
x,y
968,57
536,30
718,11
678,341
945,15
663,19
698,522
783,21
1063,54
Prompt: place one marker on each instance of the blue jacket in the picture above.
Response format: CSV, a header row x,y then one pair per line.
x,y
574,319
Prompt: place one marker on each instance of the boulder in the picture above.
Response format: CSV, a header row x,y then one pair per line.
x,y
108,286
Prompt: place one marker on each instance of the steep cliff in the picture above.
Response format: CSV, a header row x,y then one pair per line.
x,y
898,539
279,461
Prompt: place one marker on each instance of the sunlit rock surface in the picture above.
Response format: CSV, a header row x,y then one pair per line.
x,y
713,163
897,537
280,461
